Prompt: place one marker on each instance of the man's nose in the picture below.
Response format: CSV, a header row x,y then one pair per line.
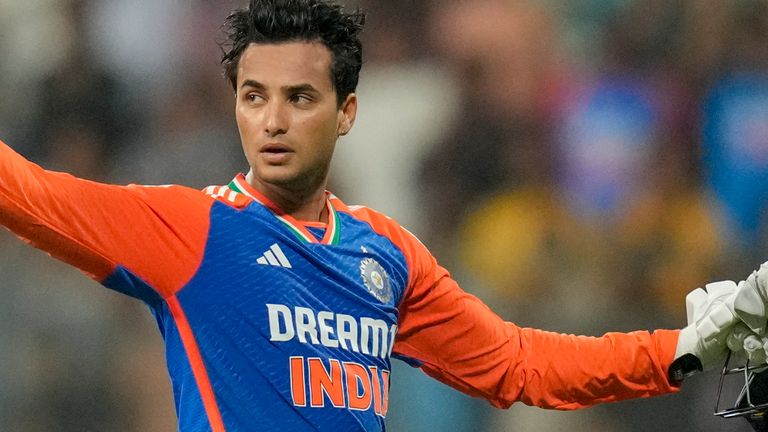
x,y
276,119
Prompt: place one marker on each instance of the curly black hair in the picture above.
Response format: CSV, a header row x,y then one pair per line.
x,y
276,21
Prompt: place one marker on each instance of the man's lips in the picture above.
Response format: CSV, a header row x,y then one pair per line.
x,y
275,153
275,148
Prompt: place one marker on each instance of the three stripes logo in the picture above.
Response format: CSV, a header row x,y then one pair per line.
x,y
274,257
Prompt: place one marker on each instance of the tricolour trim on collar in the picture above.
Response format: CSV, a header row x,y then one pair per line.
x,y
240,185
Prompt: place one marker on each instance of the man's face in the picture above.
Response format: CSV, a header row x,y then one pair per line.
x,y
288,114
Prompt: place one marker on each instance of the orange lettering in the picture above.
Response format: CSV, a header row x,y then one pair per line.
x,y
385,386
298,388
358,386
376,389
320,381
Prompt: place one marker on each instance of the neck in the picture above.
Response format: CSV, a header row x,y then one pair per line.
x,y
303,205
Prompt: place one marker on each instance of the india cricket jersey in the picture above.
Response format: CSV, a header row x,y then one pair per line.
x,y
271,323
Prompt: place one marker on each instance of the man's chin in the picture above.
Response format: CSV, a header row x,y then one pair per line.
x,y
289,178
276,174
282,181
285,180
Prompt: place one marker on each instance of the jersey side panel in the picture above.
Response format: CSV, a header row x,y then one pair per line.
x,y
184,383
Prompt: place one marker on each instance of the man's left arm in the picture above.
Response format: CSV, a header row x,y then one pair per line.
x,y
458,340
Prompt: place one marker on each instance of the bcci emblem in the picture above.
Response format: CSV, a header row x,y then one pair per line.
x,y
376,280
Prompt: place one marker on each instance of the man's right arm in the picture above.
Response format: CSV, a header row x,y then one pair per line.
x,y
155,233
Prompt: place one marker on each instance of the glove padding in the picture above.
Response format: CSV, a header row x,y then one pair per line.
x,y
711,320
752,298
751,306
745,343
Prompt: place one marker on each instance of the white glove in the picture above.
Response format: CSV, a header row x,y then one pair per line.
x,y
711,320
744,342
751,300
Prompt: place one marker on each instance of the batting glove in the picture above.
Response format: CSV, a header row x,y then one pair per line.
x,y
703,344
751,300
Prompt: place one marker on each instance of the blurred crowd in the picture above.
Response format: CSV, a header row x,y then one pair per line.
x,y
580,166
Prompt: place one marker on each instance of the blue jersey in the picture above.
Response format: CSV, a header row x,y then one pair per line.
x,y
299,333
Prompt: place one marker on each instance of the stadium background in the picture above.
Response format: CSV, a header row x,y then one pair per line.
x,y
579,165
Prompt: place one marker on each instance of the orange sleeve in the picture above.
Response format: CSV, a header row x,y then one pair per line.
x,y
458,340
156,233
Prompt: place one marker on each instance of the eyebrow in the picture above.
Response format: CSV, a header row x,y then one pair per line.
x,y
301,88
305,87
253,83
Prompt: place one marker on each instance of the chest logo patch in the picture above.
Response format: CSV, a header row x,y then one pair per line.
x,y
376,280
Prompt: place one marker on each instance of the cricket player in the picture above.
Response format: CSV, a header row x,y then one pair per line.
x,y
281,306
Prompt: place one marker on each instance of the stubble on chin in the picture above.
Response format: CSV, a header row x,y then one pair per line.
x,y
299,183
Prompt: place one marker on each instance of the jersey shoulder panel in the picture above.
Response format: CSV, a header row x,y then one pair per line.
x,y
166,255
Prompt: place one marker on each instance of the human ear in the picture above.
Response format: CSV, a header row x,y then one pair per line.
x,y
347,114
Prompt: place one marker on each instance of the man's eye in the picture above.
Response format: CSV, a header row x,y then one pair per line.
x,y
300,99
253,97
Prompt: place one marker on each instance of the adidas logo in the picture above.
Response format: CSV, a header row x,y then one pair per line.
x,y
274,257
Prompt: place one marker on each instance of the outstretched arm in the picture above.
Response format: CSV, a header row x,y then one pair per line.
x,y
155,233
455,338
461,342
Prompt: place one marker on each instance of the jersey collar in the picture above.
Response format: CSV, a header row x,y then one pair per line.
x,y
240,185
